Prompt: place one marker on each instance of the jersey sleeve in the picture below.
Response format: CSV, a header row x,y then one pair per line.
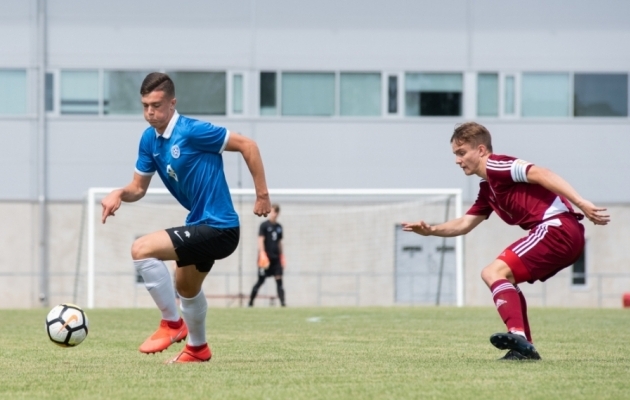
x,y
482,204
281,232
507,170
145,165
261,230
209,138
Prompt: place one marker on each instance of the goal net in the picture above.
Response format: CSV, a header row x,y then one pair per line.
x,y
342,247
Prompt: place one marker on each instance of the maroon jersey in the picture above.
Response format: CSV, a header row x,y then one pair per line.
x,y
506,192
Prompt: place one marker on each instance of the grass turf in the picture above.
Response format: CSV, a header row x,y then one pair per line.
x,y
323,353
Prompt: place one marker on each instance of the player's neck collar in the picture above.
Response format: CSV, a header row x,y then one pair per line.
x,y
169,128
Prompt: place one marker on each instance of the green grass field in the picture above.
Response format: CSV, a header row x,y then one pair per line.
x,y
323,353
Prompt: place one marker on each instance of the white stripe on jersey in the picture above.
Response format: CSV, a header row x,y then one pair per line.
x,y
557,207
499,165
225,141
531,241
144,173
502,287
519,170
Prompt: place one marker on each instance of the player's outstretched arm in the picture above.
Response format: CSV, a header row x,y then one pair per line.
x,y
555,183
249,149
454,227
130,193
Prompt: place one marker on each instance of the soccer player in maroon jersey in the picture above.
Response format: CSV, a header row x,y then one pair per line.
x,y
537,200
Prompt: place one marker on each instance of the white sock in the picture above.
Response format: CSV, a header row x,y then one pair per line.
x,y
194,313
519,333
157,280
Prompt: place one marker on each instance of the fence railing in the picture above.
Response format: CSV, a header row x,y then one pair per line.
x,y
316,288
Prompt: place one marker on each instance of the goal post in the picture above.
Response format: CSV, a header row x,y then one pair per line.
x,y
340,243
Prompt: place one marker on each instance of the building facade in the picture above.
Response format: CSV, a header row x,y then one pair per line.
x,y
351,94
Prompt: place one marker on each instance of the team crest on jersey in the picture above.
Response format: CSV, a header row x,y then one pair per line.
x,y
171,172
175,151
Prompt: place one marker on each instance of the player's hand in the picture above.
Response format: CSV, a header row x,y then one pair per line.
x,y
593,213
420,227
111,204
262,207
263,260
283,261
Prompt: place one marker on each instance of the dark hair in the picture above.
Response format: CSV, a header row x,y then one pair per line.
x,y
276,207
472,133
157,81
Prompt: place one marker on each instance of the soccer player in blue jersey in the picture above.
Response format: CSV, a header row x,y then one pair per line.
x,y
186,154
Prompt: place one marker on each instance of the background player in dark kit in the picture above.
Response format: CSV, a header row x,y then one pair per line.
x,y
270,254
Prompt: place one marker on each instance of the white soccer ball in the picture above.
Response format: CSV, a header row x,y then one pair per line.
x,y
67,325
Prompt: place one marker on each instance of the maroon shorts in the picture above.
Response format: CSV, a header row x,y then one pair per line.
x,y
550,247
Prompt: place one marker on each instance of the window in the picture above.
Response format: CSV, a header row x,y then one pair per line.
x,y
268,104
509,107
13,92
488,95
392,94
433,94
79,92
237,94
200,93
545,95
600,95
121,92
578,271
308,94
360,94
49,100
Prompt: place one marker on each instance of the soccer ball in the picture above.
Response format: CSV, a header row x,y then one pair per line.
x,y
67,325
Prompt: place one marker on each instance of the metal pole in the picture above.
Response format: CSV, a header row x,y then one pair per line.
x,y
41,153
439,285
77,268
459,253
240,248
600,291
91,259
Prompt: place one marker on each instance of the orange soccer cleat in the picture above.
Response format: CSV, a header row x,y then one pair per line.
x,y
192,354
164,337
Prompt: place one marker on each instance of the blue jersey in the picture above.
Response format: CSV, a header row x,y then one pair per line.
x,y
187,156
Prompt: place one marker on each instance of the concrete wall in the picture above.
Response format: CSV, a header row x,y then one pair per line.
x,y
334,250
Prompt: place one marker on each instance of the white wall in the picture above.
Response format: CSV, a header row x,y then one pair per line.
x,y
456,35
607,259
338,153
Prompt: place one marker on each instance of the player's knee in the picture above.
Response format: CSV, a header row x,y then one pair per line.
x,y
486,275
185,289
494,272
140,249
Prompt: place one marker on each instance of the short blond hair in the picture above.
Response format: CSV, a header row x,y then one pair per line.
x,y
472,133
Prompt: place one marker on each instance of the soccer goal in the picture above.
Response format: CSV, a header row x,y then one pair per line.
x,y
342,247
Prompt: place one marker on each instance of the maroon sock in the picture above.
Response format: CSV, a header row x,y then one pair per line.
x,y
196,348
508,304
528,332
175,324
